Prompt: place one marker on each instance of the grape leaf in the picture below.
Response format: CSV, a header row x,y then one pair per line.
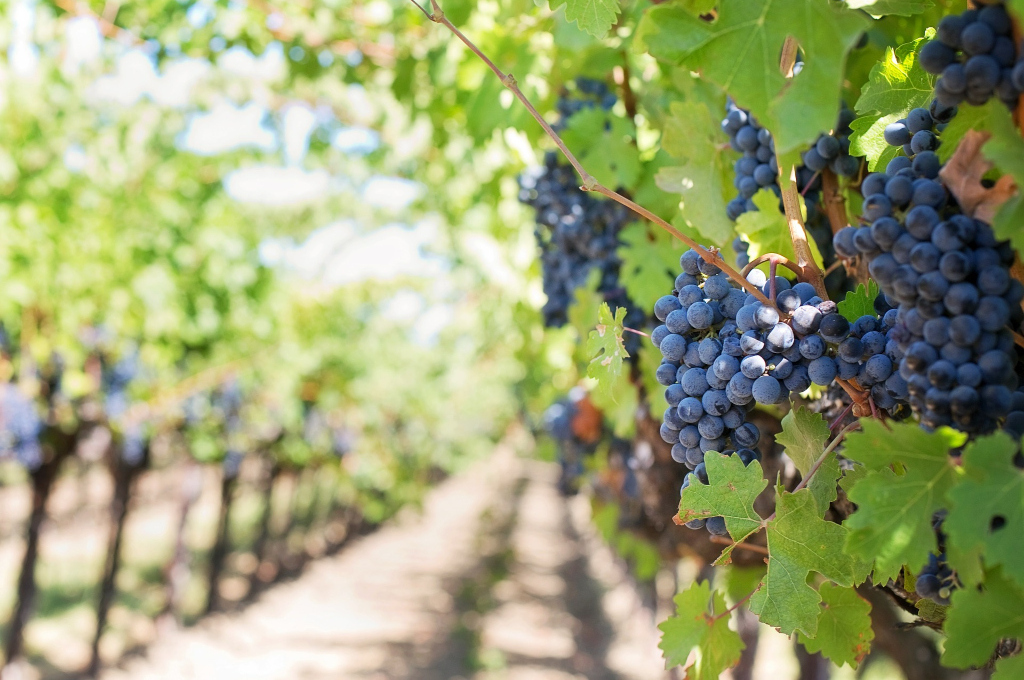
x,y
801,542
603,144
804,434
979,618
699,625
1009,669
606,347
1006,149
860,302
903,8
693,136
767,231
650,359
740,52
844,626
967,118
896,85
650,259
740,581
730,494
593,16
987,506
893,522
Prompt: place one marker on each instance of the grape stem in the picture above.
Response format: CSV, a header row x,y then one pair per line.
x,y
633,330
791,199
722,540
828,449
709,255
739,603
774,258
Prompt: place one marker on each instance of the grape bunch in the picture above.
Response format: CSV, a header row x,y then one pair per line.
x,y
589,93
975,57
20,427
948,277
936,580
758,168
576,233
116,378
723,351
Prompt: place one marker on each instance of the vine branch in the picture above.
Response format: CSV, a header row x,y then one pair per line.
x,y
709,255
791,199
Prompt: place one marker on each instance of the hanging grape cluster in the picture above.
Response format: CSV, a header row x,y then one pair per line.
x,y
577,232
949,278
975,58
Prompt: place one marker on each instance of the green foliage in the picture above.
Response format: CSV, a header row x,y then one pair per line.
x,y
740,52
893,522
593,16
606,347
604,145
804,435
692,136
730,494
859,302
1006,150
844,626
896,85
650,258
980,618
987,506
800,542
767,231
702,625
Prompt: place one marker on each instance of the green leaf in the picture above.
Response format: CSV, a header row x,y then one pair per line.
x,y
730,494
968,118
893,522
1009,669
979,618
991,495
860,302
1006,150
699,625
740,52
804,435
650,359
740,581
593,16
801,542
606,347
896,85
844,626
903,8
603,143
693,136
767,231
650,259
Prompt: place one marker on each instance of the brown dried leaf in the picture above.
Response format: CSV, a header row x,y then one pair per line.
x,y
962,176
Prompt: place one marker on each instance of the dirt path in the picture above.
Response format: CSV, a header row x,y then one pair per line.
x,y
498,578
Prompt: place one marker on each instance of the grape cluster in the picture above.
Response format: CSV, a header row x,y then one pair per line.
x,y
571,449
949,279
723,351
936,580
589,93
576,233
20,427
758,167
975,58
